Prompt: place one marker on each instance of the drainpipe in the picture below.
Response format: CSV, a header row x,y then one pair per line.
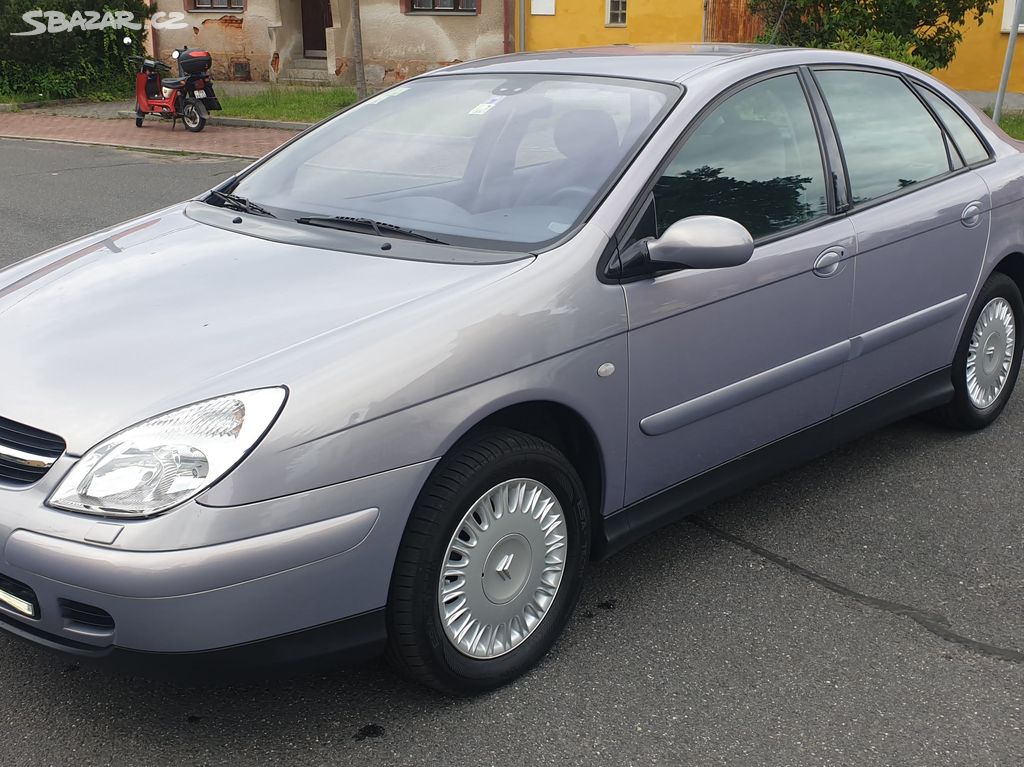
x,y
509,14
522,25
1004,81
152,44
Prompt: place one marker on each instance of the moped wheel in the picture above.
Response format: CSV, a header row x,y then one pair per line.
x,y
192,117
139,116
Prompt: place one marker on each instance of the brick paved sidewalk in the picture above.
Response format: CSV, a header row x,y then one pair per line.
x,y
155,134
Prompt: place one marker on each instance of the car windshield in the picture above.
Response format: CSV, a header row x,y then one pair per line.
x,y
499,161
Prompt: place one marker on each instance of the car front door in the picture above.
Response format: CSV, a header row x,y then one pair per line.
x,y
725,361
922,220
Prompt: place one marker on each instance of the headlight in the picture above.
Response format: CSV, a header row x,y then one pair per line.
x,y
159,463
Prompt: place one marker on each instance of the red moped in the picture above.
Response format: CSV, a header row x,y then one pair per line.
x,y
188,97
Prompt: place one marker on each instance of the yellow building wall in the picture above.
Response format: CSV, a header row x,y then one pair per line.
x,y
580,23
979,59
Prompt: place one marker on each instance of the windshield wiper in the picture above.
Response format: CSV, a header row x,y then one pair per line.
x,y
240,203
354,223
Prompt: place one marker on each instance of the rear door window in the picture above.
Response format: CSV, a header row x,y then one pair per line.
x,y
889,139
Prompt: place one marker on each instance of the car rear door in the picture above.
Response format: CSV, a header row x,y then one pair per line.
x,y
922,219
725,361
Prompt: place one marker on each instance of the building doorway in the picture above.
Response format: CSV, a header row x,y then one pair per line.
x,y
316,18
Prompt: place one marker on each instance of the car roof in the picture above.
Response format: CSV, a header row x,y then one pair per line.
x,y
667,63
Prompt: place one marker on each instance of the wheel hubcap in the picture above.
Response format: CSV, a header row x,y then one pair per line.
x,y
191,116
990,354
503,567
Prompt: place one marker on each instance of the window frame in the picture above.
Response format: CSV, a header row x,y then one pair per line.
x,y
407,8
827,148
908,82
1006,26
608,15
191,7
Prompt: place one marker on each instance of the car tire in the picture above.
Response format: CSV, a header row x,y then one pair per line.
x,y
452,570
980,392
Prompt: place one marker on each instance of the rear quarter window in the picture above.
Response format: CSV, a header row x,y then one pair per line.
x,y
971,147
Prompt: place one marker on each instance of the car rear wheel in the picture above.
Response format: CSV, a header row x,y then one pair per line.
x,y
490,565
988,357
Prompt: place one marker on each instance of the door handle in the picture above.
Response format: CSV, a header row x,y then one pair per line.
x,y
971,216
828,263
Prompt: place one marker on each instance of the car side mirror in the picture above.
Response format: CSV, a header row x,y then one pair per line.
x,y
696,242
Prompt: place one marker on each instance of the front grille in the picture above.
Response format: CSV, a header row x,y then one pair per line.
x,y
26,454
85,614
21,592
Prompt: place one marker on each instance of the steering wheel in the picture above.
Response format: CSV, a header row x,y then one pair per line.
x,y
566,195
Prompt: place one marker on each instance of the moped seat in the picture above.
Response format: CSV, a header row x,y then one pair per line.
x,y
173,82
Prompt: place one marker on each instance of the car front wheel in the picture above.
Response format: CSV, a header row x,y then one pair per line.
x,y
490,565
988,357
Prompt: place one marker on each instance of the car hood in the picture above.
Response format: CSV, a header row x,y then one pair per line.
x,y
162,311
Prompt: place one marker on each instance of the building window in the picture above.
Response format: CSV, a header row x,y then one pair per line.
x,y
616,13
444,6
216,5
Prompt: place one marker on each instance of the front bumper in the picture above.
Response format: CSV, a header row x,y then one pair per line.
x,y
303,562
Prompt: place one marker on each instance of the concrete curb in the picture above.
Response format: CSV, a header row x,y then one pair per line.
x,y
134,147
239,122
19,105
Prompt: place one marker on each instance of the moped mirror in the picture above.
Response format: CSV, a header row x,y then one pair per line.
x,y
696,242
175,55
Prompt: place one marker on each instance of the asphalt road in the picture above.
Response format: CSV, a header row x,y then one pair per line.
x,y
863,610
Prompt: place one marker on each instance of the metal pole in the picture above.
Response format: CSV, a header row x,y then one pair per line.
x,y
522,25
357,50
1004,81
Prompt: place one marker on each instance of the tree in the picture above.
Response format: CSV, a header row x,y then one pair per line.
x,y
924,33
72,63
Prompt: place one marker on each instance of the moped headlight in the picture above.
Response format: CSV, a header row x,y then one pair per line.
x,y
160,463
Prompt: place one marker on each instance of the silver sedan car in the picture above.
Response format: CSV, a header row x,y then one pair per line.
x,y
394,385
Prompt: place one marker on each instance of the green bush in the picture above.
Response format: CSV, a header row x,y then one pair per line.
x,y
926,30
67,64
884,44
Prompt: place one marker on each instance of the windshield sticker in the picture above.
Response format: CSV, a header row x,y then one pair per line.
x,y
557,227
487,106
388,94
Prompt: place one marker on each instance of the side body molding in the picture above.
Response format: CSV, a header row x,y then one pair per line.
x,y
905,326
750,388
691,411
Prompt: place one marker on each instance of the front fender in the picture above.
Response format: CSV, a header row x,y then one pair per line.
x,y
428,430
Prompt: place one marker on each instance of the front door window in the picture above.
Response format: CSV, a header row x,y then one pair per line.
x,y
754,159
